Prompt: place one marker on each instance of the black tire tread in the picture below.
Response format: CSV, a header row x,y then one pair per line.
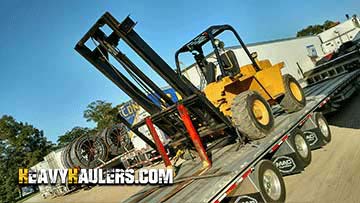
x,y
244,122
269,165
289,103
308,159
317,115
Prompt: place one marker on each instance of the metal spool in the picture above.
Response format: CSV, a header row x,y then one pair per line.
x,y
65,156
118,139
88,151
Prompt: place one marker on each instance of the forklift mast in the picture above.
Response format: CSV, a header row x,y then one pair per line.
x,y
207,118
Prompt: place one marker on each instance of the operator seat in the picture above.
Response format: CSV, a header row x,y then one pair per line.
x,y
230,62
209,72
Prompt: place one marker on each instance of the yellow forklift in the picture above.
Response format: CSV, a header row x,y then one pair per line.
x,y
234,104
244,93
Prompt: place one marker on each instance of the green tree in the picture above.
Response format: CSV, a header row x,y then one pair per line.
x,y
329,24
8,127
102,113
21,146
316,29
69,136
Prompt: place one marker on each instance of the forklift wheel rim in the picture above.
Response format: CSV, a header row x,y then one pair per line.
x,y
272,184
295,91
301,146
260,112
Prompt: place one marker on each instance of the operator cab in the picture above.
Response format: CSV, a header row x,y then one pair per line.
x,y
207,56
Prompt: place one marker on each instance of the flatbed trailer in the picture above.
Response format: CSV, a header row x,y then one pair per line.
x,y
225,166
142,158
233,165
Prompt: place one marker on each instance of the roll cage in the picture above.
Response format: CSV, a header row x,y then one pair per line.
x,y
196,45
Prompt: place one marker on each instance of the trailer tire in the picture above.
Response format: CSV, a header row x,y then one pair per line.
x,y
270,182
294,97
301,146
323,126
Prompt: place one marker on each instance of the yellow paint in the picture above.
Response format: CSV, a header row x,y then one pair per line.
x,y
295,90
23,175
73,175
178,96
261,113
222,92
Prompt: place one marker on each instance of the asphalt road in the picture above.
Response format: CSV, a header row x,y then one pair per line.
x,y
333,175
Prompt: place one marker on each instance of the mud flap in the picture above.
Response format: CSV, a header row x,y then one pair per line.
x,y
313,134
287,161
315,141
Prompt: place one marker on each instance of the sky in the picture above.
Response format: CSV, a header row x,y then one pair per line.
x,y
45,82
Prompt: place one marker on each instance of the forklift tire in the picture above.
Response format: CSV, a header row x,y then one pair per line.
x,y
294,97
252,115
323,126
301,146
270,181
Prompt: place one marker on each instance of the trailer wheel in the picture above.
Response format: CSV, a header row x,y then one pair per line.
x,y
271,183
294,97
252,115
301,146
323,126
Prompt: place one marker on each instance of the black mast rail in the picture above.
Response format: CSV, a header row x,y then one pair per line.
x,y
126,32
117,78
110,43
